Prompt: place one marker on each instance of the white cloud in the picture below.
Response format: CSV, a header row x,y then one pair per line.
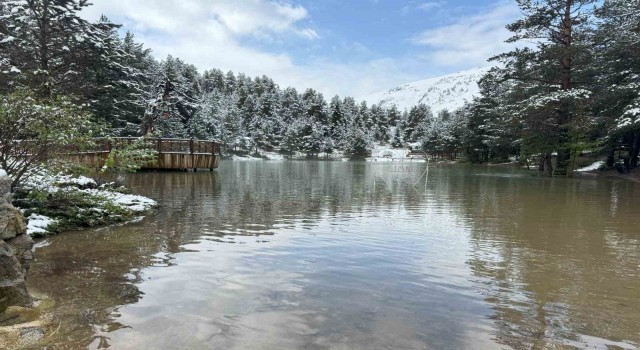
x,y
212,34
228,34
470,40
430,5
234,18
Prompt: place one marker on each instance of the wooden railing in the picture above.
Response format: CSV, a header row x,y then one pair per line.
x,y
172,153
162,145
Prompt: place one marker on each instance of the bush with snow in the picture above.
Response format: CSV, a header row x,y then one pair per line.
x,y
55,203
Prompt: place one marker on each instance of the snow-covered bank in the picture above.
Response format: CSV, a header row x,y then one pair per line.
x,y
55,203
595,166
37,224
385,153
379,153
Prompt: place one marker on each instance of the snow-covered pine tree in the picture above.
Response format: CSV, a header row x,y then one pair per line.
x,y
617,39
396,140
118,73
44,43
551,76
316,131
174,103
336,118
417,123
208,119
379,123
493,120
291,113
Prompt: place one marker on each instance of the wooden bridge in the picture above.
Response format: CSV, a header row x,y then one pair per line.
x,y
176,154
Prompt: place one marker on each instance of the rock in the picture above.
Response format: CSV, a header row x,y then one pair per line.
x,y
31,335
25,327
22,246
11,221
13,290
5,186
15,252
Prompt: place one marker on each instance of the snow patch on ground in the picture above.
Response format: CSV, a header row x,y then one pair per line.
x,y
3,173
101,197
236,157
273,156
130,201
80,180
595,166
38,223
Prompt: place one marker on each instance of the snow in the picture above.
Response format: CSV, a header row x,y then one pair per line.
x,y
7,39
15,70
82,181
273,156
130,201
595,166
236,157
384,153
3,173
38,223
82,184
380,151
448,92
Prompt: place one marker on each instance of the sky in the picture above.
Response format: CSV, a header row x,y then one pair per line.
x,y
345,47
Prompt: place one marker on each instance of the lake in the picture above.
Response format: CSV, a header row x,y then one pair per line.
x,y
354,255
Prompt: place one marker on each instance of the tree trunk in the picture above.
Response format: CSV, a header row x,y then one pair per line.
x,y
541,164
634,150
43,42
564,154
548,167
566,63
611,157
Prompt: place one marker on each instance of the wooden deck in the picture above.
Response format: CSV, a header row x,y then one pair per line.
x,y
172,154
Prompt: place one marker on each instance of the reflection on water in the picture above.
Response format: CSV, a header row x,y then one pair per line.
x,y
320,255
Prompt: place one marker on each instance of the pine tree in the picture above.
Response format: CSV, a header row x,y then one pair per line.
x,y
44,44
550,79
417,123
618,65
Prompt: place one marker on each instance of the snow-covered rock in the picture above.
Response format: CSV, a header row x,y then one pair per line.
x,y
448,92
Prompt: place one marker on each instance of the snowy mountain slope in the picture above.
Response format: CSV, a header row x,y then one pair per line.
x,y
446,92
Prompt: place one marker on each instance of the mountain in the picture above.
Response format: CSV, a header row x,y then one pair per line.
x,y
446,92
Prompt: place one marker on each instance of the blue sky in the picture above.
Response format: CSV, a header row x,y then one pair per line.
x,y
338,47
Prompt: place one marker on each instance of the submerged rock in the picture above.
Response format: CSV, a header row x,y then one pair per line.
x,y
24,327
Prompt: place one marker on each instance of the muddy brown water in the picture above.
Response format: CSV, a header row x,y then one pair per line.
x,y
349,255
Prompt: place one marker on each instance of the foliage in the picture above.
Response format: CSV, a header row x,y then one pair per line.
x,y
71,208
37,132
130,157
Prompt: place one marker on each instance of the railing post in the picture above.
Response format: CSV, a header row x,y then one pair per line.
x,y
193,163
